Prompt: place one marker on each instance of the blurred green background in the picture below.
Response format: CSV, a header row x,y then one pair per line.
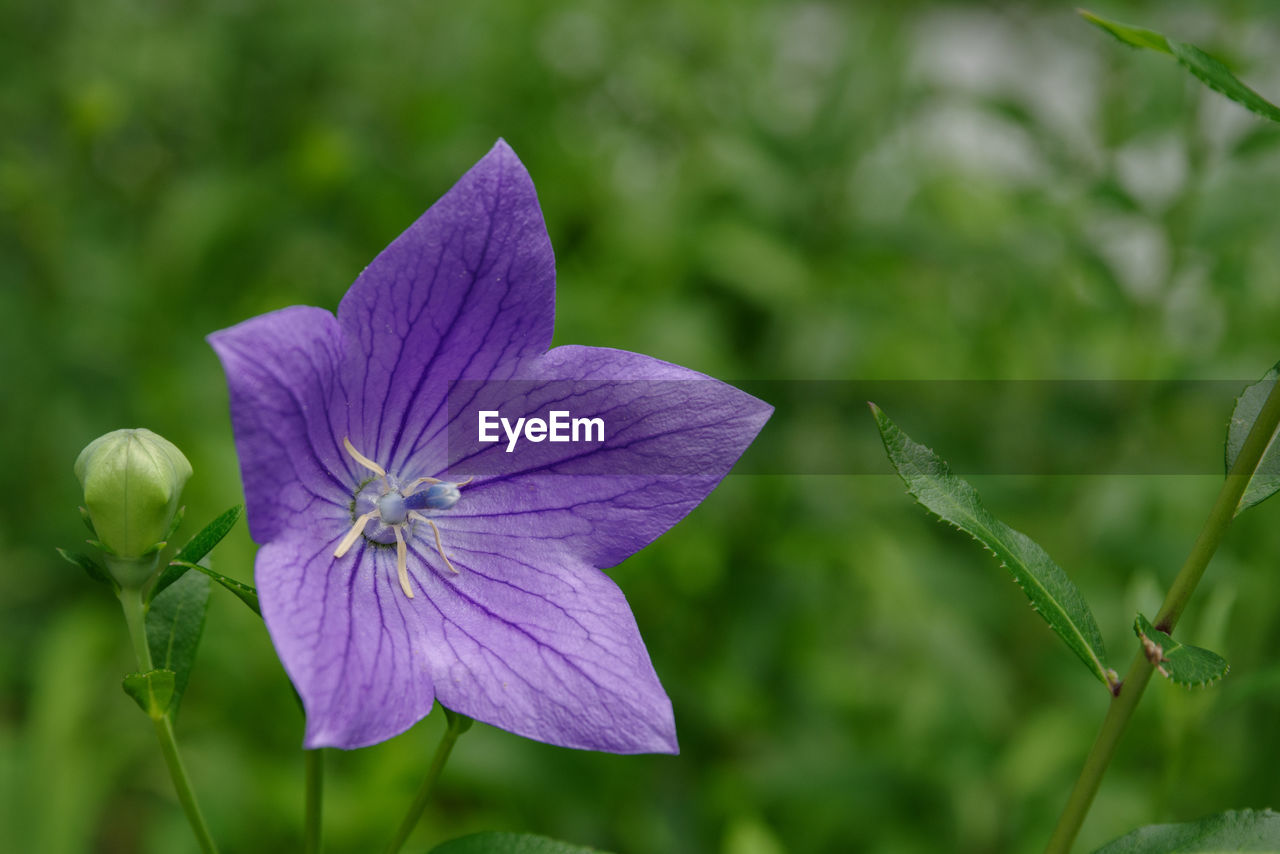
x,y
758,190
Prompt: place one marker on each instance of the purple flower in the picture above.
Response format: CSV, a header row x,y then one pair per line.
x,y
384,581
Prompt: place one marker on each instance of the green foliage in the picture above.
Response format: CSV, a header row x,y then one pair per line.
x,y
154,691
1266,477
510,843
91,567
1127,34
1176,661
1210,71
244,592
1246,830
195,551
175,622
951,499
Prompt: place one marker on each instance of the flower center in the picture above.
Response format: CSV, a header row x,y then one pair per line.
x,y
385,511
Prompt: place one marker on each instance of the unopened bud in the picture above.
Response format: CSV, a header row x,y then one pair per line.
x,y
132,481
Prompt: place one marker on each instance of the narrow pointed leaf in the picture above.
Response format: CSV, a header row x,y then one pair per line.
x,y
94,569
491,842
153,691
175,623
1210,71
199,546
244,592
1181,663
1245,830
1266,477
953,500
1128,34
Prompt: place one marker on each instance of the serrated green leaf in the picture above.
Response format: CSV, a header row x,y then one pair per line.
x,y
1209,70
1181,663
1245,830
509,843
1128,34
244,592
1266,477
953,500
175,623
196,549
1219,78
95,570
153,691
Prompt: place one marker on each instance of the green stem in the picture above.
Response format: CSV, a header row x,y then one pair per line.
x,y
135,616
1175,602
315,789
455,726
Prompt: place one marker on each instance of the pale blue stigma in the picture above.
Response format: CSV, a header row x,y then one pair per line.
x,y
393,509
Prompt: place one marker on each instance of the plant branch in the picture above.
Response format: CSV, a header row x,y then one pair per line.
x,y
135,616
1175,602
455,726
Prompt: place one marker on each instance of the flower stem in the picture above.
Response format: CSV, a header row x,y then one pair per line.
x,y
455,725
135,613
1175,602
315,790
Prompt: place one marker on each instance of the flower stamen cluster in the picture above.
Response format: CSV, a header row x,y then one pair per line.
x,y
396,507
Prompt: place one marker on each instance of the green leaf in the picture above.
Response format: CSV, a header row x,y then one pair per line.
x,y
509,843
1266,477
1210,71
153,691
1246,830
1219,78
245,593
1051,592
175,623
195,550
95,570
1130,35
1179,662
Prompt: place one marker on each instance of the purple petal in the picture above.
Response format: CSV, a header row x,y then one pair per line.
x,y
671,434
282,371
468,289
530,639
354,645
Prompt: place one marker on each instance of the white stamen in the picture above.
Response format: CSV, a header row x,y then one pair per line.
x,y
414,514
402,562
362,459
356,530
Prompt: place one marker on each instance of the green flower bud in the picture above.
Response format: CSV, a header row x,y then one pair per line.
x,y
132,481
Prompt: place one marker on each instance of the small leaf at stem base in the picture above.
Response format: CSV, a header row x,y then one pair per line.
x,y
1178,662
152,691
